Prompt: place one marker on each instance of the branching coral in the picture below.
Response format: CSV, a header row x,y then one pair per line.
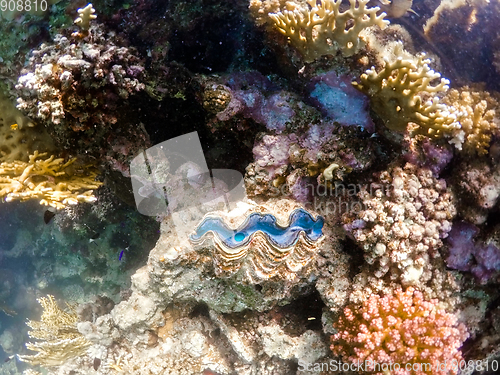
x,y
403,92
477,115
322,29
55,182
400,329
58,335
85,15
406,213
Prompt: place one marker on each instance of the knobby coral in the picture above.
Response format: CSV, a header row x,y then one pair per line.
x,y
403,92
406,213
55,182
400,329
58,335
321,28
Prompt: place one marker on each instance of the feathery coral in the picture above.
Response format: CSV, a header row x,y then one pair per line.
x,y
400,329
58,335
55,182
322,29
402,92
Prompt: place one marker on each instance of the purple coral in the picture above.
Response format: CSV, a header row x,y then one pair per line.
x,y
428,154
466,254
338,100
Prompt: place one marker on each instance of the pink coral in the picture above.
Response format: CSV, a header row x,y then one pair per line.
x,y
402,330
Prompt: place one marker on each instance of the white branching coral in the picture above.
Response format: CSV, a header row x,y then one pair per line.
x,y
407,91
478,115
59,339
406,213
321,28
85,14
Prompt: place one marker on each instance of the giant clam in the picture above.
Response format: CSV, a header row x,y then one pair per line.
x,y
260,241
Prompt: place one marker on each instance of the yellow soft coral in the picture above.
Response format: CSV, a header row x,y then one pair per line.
x,y
59,339
51,180
322,29
478,115
403,92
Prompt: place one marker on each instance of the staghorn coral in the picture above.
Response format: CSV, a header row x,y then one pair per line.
x,y
322,29
260,9
55,182
477,114
405,214
85,15
59,339
403,92
402,328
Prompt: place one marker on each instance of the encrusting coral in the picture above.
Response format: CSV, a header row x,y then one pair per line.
x,y
477,114
59,339
322,29
403,92
55,182
400,329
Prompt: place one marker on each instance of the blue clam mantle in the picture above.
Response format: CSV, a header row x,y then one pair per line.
x,y
281,237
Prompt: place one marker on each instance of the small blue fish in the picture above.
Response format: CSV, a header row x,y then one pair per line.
x,y
121,255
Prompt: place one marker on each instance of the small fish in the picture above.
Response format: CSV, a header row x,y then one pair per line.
x,y
48,216
97,363
9,358
14,127
6,310
94,237
121,255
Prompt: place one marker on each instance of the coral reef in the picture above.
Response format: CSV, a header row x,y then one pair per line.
x,y
67,77
340,236
59,339
55,182
323,29
294,164
477,181
480,258
402,92
477,116
400,329
405,214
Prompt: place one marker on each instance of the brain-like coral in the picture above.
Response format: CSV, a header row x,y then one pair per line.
x,y
405,214
400,329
